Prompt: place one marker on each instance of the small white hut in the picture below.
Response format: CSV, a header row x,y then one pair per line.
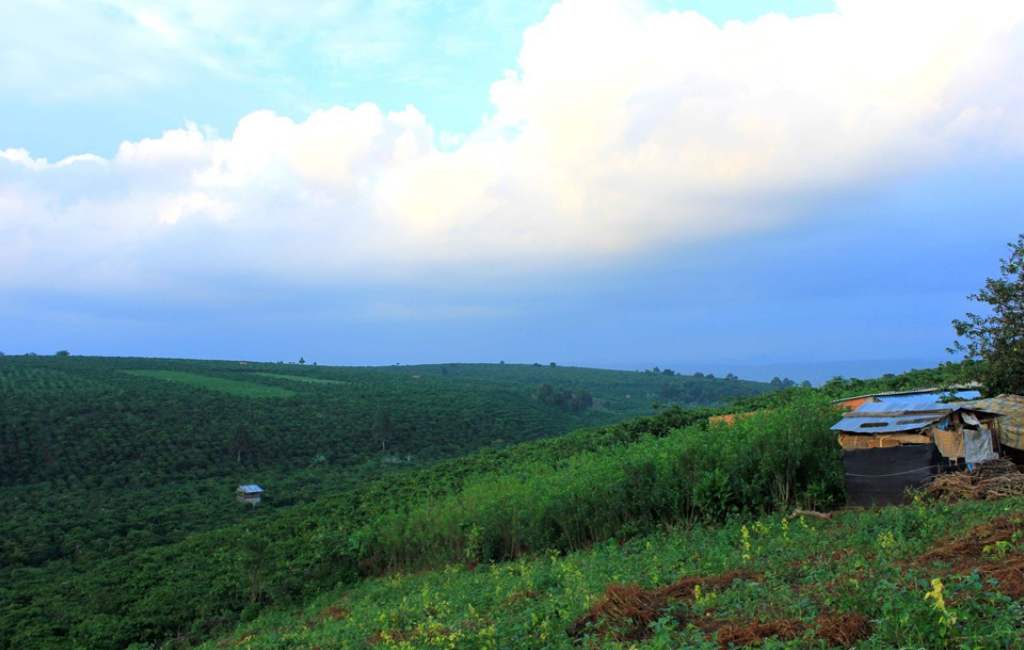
x,y
250,493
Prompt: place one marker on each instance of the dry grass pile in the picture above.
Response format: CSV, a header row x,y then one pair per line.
x,y
738,635
993,480
625,612
843,630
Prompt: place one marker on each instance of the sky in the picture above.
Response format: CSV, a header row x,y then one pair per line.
x,y
803,188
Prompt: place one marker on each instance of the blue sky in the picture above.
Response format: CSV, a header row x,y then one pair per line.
x,y
613,183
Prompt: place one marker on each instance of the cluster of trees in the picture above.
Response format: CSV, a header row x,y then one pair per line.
x,y
118,578
206,581
98,461
786,382
995,338
564,398
620,393
118,475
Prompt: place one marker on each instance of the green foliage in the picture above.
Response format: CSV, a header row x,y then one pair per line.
x,y
219,384
117,515
943,376
310,380
807,568
619,391
565,399
118,523
772,460
997,337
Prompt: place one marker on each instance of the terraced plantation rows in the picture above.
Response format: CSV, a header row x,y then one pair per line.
x,y
119,476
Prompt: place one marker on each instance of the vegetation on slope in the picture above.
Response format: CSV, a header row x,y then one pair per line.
x,y
104,456
190,562
129,531
774,459
921,576
619,391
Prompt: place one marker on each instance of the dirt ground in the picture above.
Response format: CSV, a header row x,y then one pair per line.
x,y
991,549
625,613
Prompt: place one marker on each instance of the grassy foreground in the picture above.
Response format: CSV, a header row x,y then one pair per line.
x,y
924,575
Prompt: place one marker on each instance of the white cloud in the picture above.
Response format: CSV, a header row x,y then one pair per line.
x,y
623,128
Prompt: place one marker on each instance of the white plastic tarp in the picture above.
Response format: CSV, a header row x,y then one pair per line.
x,y
978,446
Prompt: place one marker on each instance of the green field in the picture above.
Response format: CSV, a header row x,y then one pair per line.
x,y
219,384
308,380
116,499
457,505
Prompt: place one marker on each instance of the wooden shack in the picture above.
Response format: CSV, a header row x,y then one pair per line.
x,y
890,446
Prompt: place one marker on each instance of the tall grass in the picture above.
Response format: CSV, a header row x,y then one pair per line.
x,y
772,460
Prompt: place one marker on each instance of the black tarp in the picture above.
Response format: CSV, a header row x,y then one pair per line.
x,y
1016,455
882,476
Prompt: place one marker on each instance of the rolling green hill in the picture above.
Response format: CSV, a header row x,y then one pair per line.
x,y
119,525
116,496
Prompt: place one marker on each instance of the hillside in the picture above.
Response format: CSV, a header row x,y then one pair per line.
x,y
922,576
162,442
615,391
470,527
119,473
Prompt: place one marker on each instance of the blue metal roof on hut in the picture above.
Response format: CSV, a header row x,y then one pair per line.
x,y
889,423
250,488
915,402
899,417
916,396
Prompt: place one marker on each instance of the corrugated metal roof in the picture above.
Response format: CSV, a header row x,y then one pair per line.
x,y
914,403
250,488
888,424
919,391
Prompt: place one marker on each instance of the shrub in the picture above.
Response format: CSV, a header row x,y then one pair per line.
x,y
770,461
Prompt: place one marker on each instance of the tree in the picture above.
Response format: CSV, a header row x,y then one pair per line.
x,y
546,394
62,353
302,361
242,443
997,338
382,428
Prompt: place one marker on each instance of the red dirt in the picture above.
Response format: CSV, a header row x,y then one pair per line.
x,y
967,553
974,542
625,612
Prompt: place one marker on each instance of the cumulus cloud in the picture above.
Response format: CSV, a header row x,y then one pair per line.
x,y
622,128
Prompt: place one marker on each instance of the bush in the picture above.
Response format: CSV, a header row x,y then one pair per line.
x,y
773,460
